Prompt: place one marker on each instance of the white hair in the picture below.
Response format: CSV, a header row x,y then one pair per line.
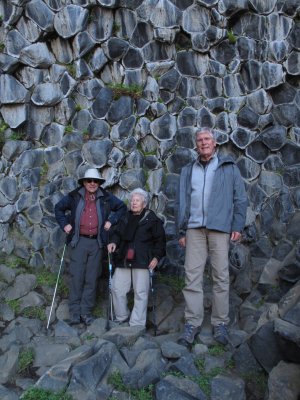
x,y
140,192
205,130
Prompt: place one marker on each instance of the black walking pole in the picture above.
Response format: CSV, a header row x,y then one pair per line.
x,y
110,314
151,274
58,275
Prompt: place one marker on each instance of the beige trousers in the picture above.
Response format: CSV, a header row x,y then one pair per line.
x,y
121,284
201,243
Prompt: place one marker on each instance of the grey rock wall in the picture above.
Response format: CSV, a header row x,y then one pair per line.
x,y
233,65
230,65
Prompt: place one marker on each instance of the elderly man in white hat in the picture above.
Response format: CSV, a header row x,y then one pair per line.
x,y
86,215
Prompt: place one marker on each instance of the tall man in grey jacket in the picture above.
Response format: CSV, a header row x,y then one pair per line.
x,y
211,211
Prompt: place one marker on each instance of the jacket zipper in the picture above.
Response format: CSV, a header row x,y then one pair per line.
x,y
204,181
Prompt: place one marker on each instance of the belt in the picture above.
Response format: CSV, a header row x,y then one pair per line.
x,y
89,236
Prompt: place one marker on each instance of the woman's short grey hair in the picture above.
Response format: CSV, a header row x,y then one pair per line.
x,y
142,193
206,130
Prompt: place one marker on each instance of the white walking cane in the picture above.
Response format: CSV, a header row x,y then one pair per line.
x,y
110,311
151,274
58,275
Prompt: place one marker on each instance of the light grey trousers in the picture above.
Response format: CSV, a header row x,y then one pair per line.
x,y
201,243
121,284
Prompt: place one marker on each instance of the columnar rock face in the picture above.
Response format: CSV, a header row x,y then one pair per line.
x,y
232,66
123,86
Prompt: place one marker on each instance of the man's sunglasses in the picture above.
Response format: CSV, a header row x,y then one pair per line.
x,y
91,180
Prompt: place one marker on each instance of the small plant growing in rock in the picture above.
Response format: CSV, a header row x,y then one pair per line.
x,y
14,305
85,134
256,382
98,312
89,337
205,377
26,358
115,379
47,278
13,262
3,127
17,136
2,47
69,129
231,37
34,313
72,70
36,393
176,283
78,107
216,350
115,28
120,89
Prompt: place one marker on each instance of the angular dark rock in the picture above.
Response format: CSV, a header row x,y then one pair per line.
x,y
287,115
224,52
180,158
224,387
196,19
185,137
277,50
131,179
212,86
100,24
170,80
274,137
38,12
251,25
290,154
288,336
70,20
123,129
116,48
205,118
165,14
257,151
266,336
133,58
147,369
234,86
192,64
37,55
47,94
283,94
185,365
15,43
142,34
251,75
164,127
247,118
11,90
293,62
178,388
82,44
102,103
242,137
294,37
283,381
157,51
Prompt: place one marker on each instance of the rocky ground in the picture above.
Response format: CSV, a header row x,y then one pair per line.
x,y
94,363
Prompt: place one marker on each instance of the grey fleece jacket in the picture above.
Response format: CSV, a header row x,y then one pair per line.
x,y
227,203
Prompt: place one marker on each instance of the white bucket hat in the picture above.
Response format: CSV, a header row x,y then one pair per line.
x,y
91,173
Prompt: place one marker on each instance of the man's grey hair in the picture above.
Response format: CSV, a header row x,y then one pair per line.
x,y
140,192
207,130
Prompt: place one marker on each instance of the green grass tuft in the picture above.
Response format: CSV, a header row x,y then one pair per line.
x,y
26,358
36,393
